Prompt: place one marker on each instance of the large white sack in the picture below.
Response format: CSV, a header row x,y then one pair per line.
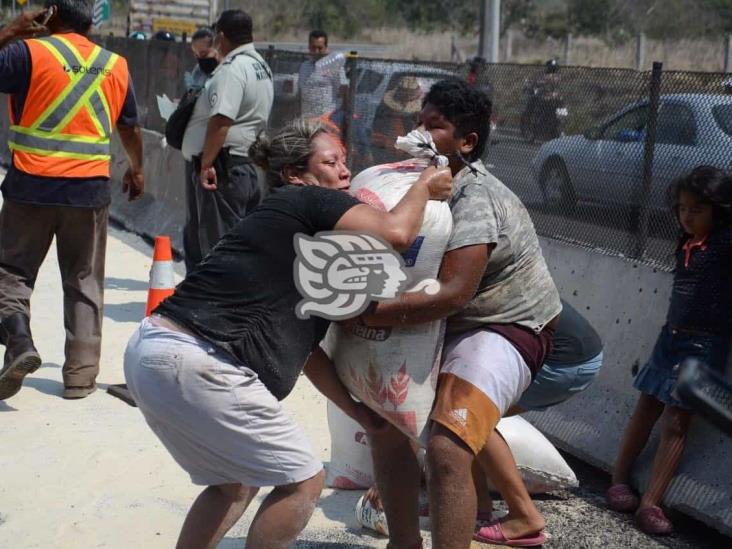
x,y
350,466
394,370
542,467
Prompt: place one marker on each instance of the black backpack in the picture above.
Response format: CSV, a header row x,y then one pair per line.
x,y
175,127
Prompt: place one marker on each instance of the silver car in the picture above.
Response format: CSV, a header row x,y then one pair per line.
x,y
605,164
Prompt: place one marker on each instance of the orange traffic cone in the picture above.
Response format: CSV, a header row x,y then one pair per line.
x,y
162,282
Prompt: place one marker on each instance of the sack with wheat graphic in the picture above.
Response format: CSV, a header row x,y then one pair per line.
x,y
394,370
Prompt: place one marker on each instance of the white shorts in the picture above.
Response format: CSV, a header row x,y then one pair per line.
x,y
481,377
217,420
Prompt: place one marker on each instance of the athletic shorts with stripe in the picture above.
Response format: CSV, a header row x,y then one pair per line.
x,y
482,376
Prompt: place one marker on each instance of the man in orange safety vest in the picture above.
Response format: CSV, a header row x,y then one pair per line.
x,y
66,95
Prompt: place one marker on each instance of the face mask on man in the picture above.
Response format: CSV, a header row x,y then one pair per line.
x,y
207,64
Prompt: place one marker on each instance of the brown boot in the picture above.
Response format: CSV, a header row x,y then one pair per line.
x,y
21,356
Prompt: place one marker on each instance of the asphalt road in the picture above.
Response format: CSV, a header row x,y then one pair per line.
x,y
575,520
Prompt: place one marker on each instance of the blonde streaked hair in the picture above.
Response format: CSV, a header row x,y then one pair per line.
x,y
290,147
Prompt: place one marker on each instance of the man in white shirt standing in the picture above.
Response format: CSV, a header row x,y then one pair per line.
x,y
232,109
321,88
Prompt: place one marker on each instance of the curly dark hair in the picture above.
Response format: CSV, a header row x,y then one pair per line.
x,y
466,108
709,185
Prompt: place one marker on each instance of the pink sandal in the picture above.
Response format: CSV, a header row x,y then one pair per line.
x,y
652,520
493,534
621,498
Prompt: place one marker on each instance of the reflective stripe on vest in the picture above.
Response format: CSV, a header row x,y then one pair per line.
x,y
70,146
44,136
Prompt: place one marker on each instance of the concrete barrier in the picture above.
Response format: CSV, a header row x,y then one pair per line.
x,y
162,209
627,303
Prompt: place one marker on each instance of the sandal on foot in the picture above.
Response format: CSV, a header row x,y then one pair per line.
x,y
75,393
652,520
493,534
621,498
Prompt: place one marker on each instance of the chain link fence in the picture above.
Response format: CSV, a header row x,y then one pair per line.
x,y
591,152
158,69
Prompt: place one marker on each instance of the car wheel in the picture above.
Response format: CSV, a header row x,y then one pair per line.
x,y
556,187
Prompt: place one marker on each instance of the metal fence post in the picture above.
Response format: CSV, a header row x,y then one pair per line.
x,y
568,49
490,27
640,52
510,35
728,55
350,107
654,94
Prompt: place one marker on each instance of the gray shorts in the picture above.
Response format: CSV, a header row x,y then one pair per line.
x,y
217,420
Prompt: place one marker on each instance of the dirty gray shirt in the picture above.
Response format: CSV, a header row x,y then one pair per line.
x,y
516,287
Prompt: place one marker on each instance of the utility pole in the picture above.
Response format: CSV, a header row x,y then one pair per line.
x,y
490,30
640,52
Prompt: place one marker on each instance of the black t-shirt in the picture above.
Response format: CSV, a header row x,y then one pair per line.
x,y
575,340
242,297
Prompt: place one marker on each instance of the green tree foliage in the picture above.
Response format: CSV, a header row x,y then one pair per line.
x,y
343,17
610,19
591,16
657,18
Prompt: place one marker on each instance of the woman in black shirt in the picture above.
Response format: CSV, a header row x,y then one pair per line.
x,y
209,367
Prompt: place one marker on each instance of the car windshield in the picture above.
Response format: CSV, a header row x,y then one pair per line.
x,y
723,116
